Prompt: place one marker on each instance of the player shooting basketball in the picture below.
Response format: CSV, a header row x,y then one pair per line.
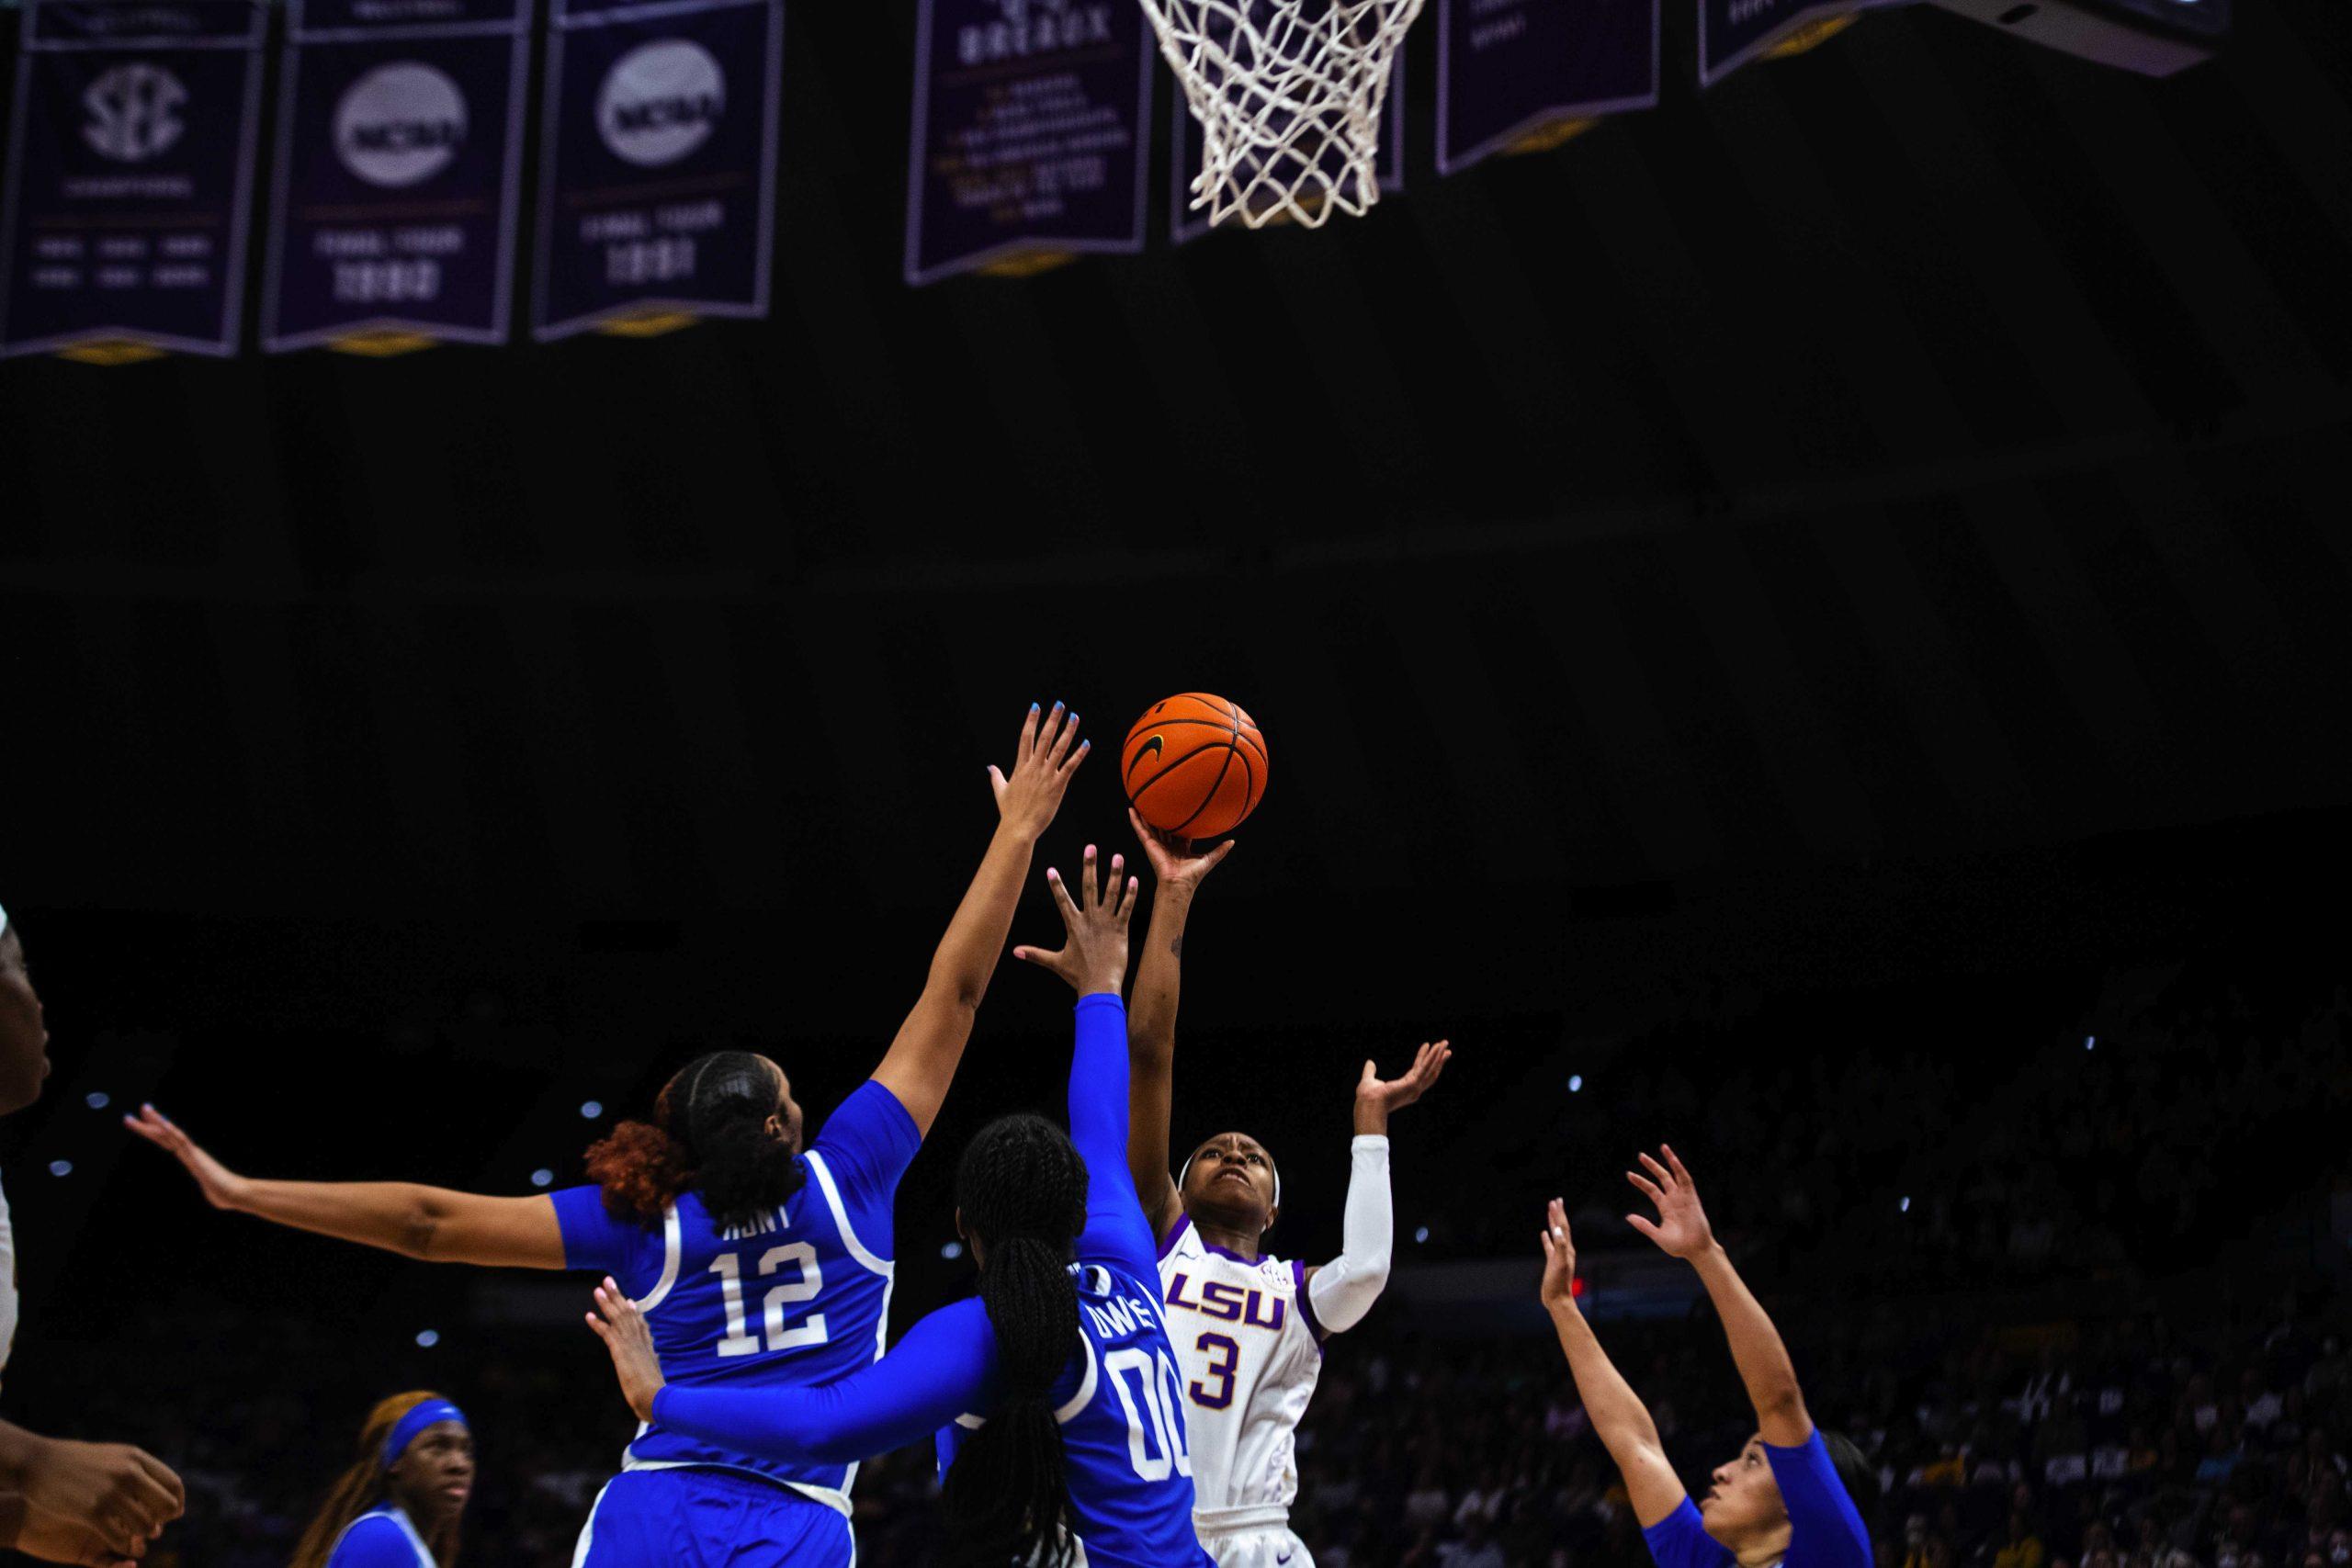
x,y
1247,1328
1793,1496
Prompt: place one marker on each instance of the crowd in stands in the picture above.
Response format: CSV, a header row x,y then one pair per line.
x,y
2100,1332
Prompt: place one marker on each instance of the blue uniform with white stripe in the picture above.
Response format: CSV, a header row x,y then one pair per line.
x,y
1119,1401
802,1298
383,1537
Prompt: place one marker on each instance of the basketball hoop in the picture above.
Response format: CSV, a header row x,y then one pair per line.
x,y
1288,95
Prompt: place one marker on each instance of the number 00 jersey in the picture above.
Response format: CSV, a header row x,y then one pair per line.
x,y
1250,1352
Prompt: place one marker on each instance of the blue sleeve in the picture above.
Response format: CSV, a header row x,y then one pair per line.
x,y
945,1367
866,1144
1115,1229
593,1238
1825,1530
373,1541
1679,1540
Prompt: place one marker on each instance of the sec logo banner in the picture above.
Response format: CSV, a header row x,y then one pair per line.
x,y
135,112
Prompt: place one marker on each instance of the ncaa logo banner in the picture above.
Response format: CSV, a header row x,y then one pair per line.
x,y
1030,133
1732,32
397,175
657,175
1520,75
1185,224
131,151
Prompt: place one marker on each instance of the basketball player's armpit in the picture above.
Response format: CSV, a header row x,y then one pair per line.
x,y
1342,1290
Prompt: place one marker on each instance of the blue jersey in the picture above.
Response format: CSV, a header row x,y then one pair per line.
x,y
383,1537
804,1297
1119,1401
1825,1530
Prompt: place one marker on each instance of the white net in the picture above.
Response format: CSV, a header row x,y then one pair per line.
x,y
1288,95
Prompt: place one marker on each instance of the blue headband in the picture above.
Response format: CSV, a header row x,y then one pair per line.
x,y
432,1413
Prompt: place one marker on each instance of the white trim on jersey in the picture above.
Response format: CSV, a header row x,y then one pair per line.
x,y
881,1345
671,1245
841,1216
588,1528
398,1516
1070,1408
837,1501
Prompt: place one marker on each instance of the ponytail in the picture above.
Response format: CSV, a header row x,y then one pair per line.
x,y
1021,1191
363,1485
708,1133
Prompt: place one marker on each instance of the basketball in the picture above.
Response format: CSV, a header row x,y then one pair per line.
x,y
1195,765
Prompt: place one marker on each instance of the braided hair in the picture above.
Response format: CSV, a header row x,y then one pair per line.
x,y
710,1133
1021,1190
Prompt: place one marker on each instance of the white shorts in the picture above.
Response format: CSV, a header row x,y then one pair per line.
x,y
1272,1547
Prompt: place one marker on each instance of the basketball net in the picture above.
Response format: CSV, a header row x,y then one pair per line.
x,y
1288,97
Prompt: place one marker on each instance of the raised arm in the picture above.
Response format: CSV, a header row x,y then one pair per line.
x,y
941,1370
1094,962
1151,1020
1615,1411
922,1059
1681,1228
431,1223
1342,1292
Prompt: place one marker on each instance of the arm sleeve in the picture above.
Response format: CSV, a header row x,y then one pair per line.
x,y
1344,1289
945,1365
373,1543
593,1238
867,1142
1116,1228
1825,1530
1679,1540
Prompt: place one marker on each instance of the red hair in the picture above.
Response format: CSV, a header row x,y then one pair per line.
x,y
641,1168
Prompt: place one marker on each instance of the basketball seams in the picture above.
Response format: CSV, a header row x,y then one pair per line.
x,y
1231,750
1213,814
1171,764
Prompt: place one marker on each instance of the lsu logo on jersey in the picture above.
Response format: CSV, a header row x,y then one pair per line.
x,y
1229,1302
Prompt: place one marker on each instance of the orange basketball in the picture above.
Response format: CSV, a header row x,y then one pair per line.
x,y
1194,766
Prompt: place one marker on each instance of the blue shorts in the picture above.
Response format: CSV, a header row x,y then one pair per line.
x,y
709,1518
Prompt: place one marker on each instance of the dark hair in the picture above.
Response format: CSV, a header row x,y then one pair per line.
x,y
1022,1189
1855,1473
708,1133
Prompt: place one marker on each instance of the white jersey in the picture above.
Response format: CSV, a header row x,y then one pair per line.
x,y
1250,1352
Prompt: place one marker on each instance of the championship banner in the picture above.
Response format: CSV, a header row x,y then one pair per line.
x,y
130,153
1520,75
398,174
1185,224
1732,32
657,171
1030,133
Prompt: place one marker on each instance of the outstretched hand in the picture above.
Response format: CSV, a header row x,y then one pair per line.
x,y
1377,1097
1043,761
1559,1287
623,1330
221,1187
1176,861
1680,1228
1094,959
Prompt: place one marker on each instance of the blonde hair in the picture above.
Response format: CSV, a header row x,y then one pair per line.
x,y
364,1484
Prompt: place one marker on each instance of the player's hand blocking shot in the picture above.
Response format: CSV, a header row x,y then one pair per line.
x,y
1052,1395
755,1254
1249,1328
1794,1494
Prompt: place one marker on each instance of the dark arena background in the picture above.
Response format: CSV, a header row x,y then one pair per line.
x,y
1811,622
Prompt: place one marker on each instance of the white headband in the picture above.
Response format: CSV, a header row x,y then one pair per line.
x,y
1187,1170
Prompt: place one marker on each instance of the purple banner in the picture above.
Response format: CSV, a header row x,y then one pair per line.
x,y
1508,69
398,171
1030,131
1732,32
128,184
656,173
1185,223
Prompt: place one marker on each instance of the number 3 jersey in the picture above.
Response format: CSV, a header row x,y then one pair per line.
x,y
1249,1351
801,1299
